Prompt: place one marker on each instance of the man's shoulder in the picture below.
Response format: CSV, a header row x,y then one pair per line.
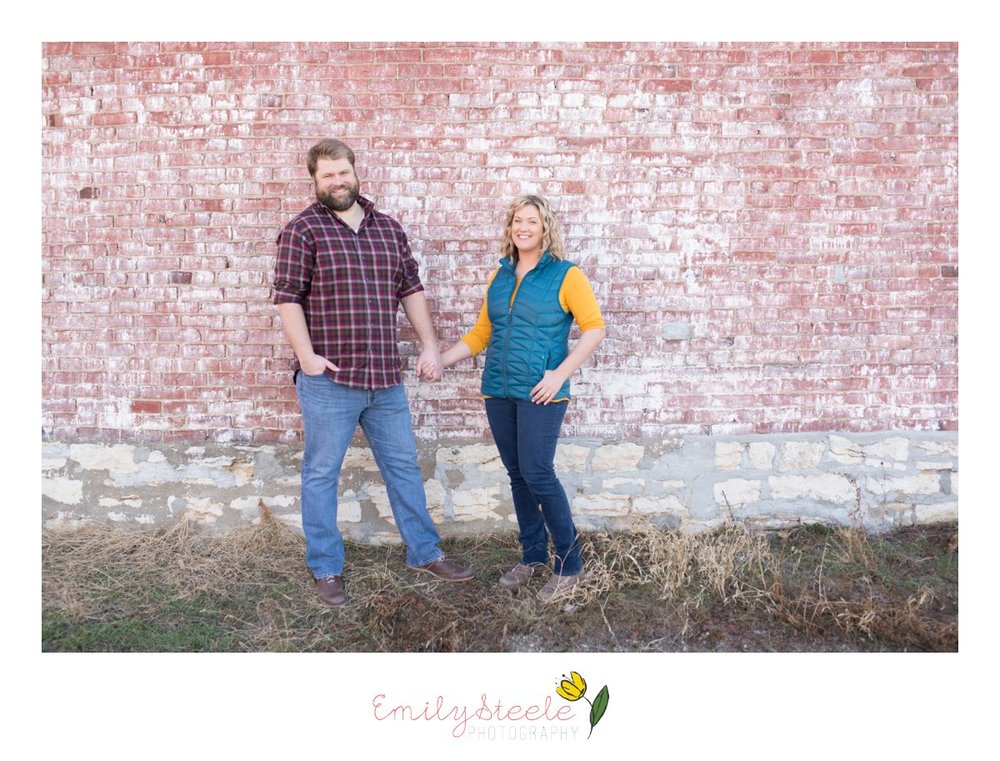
x,y
384,220
309,216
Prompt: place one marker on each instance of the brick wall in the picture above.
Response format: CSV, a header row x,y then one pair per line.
x,y
771,229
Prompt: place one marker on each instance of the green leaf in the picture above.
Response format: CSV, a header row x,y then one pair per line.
x,y
598,707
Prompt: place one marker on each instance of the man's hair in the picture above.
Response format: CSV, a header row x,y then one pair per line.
x,y
328,149
551,238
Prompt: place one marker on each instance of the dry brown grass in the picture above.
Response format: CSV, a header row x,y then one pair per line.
x,y
646,588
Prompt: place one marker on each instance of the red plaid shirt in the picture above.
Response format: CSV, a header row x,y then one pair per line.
x,y
349,285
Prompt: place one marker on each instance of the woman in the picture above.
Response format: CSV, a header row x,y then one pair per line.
x,y
531,301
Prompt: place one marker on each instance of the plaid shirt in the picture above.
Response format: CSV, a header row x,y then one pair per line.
x,y
349,285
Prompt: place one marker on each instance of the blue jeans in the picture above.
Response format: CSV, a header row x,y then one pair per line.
x,y
526,435
330,414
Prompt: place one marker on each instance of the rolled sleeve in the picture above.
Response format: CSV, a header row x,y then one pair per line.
x,y
293,267
409,279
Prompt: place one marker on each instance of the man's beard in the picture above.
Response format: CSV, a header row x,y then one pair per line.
x,y
333,203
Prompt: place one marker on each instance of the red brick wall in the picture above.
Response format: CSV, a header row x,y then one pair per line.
x,y
771,228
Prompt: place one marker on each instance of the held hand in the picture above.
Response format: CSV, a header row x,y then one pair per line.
x,y
429,365
545,390
317,365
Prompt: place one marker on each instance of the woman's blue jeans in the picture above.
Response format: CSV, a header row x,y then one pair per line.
x,y
331,412
526,435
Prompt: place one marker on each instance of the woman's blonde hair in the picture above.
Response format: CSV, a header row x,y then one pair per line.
x,y
551,238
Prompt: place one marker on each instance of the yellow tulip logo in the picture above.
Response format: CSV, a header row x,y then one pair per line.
x,y
575,687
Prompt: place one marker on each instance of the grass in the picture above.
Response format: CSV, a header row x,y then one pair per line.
x,y
811,588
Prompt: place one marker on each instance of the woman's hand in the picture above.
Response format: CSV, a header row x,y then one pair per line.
x,y
547,388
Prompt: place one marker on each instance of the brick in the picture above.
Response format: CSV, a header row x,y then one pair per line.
x,y
744,211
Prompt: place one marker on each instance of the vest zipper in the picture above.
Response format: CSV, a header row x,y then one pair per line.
x,y
510,317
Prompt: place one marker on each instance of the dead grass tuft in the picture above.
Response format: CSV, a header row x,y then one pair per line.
x,y
105,588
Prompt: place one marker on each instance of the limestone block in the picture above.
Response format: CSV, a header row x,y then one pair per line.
x,y
658,505
133,502
253,502
949,448
846,451
928,482
242,472
293,520
53,463
472,454
348,511
625,485
435,492
571,458
896,449
68,491
114,457
67,521
385,538
737,491
939,465
202,510
614,458
380,498
762,455
826,487
476,504
606,504
51,451
801,455
359,458
729,455
938,512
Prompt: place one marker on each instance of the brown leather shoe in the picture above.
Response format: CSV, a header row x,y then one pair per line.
x,y
522,574
445,570
331,591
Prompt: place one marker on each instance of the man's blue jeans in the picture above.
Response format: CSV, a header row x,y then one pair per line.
x,y
330,414
526,435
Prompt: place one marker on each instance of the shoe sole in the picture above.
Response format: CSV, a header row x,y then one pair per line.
x,y
517,584
439,578
333,604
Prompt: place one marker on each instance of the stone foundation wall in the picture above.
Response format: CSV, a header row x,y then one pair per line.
x,y
692,483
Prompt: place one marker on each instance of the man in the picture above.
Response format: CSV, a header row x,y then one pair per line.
x,y
342,271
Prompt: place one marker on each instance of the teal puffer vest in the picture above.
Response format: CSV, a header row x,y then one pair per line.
x,y
529,336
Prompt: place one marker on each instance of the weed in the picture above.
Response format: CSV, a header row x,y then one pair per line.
x,y
736,588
